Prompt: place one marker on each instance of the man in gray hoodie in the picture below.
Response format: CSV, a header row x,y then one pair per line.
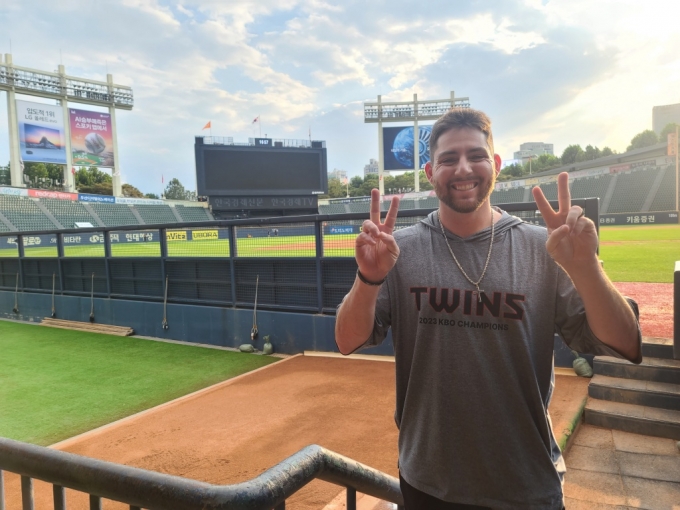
x,y
473,297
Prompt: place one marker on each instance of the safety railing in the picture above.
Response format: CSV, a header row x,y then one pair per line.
x,y
303,263
140,488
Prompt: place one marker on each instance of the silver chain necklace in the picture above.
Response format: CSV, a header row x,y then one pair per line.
x,y
486,264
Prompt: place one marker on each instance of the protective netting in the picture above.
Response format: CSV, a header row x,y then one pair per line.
x,y
284,240
135,243
198,242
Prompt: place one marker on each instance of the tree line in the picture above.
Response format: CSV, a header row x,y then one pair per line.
x,y
96,182
576,154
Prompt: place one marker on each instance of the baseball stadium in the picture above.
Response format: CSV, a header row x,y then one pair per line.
x,y
181,354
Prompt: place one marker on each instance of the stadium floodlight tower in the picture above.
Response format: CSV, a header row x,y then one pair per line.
x,y
405,111
21,80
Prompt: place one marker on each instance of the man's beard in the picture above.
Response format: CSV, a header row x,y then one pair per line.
x,y
483,192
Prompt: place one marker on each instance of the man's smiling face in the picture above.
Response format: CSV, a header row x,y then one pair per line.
x,y
462,169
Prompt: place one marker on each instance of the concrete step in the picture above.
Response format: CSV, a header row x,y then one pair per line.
x,y
649,421
364,502
655,347
651,369
635,391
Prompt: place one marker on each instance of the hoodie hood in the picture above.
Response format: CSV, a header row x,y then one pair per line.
x,y
501,227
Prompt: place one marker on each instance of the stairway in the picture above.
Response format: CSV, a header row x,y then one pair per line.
x,y
644,398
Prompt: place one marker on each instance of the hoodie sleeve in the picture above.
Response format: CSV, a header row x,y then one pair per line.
x,y
572,325
383,319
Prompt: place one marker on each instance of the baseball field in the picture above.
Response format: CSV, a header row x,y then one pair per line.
x,y
56,384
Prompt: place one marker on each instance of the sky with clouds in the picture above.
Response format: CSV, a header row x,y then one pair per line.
x,y
556,71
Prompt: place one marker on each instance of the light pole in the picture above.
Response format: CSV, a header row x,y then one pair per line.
x,y
531,156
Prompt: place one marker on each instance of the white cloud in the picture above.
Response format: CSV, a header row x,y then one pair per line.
x,y
563,71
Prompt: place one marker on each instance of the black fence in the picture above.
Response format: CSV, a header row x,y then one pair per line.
x,y
303,263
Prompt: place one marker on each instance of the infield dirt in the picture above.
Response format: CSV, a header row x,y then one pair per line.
x,y
236,431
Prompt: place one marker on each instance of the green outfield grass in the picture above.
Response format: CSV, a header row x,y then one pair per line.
x,y
640,253
57,383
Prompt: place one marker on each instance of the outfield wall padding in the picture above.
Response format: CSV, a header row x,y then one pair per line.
x,y
289,332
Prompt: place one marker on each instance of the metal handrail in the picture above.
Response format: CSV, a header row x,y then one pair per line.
x,y
148,489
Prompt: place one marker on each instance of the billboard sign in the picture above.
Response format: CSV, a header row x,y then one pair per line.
x,y
41,132
398,147
56,195
91,138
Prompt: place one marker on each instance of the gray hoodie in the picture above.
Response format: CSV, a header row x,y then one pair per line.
x,y
474,380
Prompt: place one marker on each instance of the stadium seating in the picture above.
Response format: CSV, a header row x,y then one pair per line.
x,y
359,207
332,209
115,214
549,190
664,200
193,213
156,214
589,187
3,227
24,214
507,196
68,213
631,190
429,203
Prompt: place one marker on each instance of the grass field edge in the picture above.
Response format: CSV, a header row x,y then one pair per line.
x,y
179,400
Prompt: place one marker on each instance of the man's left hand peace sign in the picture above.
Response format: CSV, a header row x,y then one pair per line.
x,y
572,238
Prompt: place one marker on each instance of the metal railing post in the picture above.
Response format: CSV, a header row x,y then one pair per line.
x,y
26,493
59,497
2,491
351,499
318,234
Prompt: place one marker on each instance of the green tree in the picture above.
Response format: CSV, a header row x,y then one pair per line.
x,y
89,176
512,171
591,153
668,129
176,191
572,154
606,152
643,139
98,188
130,191
151,195
541,164
425,185
35,171
336,189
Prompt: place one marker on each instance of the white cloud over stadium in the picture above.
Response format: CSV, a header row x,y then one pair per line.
x,y
562,72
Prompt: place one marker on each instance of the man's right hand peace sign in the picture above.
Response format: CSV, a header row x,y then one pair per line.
x,y
376,250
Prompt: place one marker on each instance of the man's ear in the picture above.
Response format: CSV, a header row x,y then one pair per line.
x,y
497,164
428,171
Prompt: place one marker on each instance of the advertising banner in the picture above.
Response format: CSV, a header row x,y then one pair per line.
x,y
41,132
86,197
639,218
139,201
17,192
618,168
398,147
58,195
91,138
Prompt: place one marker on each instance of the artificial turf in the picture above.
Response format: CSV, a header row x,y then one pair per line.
x,y
640,253
58,383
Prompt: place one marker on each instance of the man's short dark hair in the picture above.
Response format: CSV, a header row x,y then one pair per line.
x,y
457,118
